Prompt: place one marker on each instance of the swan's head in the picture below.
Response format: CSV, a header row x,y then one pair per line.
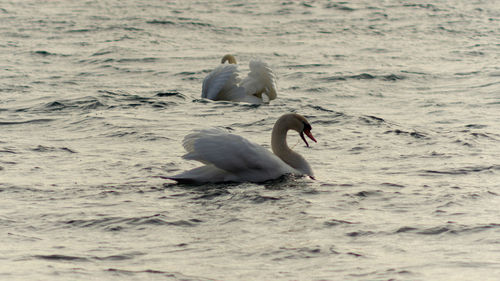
x,y
300,124
306,129
229,58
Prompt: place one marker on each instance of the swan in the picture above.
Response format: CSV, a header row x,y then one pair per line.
x,y
224,83
231,158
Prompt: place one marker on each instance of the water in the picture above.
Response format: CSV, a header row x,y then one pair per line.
x,y
403,98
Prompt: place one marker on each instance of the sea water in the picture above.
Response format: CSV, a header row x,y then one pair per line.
x,y
403,98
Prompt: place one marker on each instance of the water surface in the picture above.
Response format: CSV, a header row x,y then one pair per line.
x,y
403,98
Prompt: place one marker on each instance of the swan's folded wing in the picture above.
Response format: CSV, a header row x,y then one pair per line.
x,y
207,173
230,153
190,139
220,80
261,79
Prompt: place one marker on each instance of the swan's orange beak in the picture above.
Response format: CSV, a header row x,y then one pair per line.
x,y
308,134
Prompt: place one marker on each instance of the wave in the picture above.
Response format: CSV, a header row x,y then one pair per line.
x,y
120,223
180,22
123,99
364,76
57,257
414,134
106,61
31,121
423,6
336,222
105,100
44,53
42,148
286,253
61,257
190,23
85,103
94,28
166,274
465,170
339,6
447,229
372,120
311,65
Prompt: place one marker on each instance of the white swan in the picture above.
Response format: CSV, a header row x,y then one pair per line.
x,y
223,83
231,158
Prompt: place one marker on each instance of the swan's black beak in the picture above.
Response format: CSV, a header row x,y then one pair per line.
x,y
308,134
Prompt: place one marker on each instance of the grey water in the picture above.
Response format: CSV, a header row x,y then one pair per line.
x,y
403,98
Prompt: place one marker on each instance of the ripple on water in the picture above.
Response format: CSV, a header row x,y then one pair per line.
x,y
57,257
364,76
31,121
70,258
42,148
120,223
414,134
286,253
85,104
450,228
336,222
149,273
464,170
44,53
124,100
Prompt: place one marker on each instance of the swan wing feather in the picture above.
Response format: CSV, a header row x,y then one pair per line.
x,y
231,153
221,80
260,79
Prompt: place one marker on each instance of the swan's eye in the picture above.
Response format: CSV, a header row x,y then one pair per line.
x,y
307,127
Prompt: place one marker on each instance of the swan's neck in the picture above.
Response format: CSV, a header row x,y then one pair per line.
x,y
229,58
280,148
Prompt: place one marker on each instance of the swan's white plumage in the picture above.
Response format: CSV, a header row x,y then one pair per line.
x,y
224,83
228,157
260,80
220,82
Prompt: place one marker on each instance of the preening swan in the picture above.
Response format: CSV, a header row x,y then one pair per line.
x,y
231,158
224,83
